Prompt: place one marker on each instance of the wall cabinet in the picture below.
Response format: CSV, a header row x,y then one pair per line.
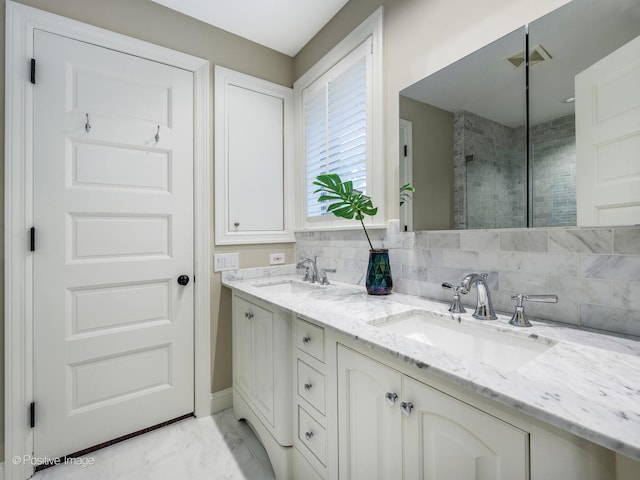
x,y
262,381
381,411
253,160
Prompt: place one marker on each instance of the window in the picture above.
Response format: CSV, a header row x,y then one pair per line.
x,y
340,127
336,109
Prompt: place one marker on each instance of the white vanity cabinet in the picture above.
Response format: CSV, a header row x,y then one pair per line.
x,y
390,423
326,405
262,376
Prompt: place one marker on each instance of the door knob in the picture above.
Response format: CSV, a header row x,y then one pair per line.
x,y
183,280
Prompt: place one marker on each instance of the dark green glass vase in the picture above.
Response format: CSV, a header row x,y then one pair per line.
x,y
379,281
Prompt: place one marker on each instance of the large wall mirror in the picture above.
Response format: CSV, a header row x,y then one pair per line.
x,y
480,154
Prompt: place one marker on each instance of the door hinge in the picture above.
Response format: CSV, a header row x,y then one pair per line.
x,y
32,414
406,151
33,71
32,239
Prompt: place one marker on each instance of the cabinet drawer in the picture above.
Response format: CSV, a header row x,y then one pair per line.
x,y
311,386
301,468
310,339
312,435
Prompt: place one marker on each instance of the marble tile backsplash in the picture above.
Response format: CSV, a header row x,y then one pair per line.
x,y
594,271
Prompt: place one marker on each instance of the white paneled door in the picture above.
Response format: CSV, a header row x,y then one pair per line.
x,y
608,139
113,217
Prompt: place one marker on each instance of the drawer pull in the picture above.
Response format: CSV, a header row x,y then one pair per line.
x,y
405,408
391,398
308,435
248,315
306,339
307,386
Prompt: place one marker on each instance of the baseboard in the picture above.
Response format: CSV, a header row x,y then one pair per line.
x,y
221,400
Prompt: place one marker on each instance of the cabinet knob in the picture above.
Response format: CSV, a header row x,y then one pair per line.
x,y
248,315
391,398
308,435
405,408
306,339
307,386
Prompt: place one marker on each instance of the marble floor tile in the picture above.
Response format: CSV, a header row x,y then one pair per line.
x,y
209,448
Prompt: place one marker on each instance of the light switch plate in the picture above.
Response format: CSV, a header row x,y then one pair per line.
x,y
276,258
226,261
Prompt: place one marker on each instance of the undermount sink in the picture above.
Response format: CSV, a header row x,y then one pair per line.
x,y
288,286
501,350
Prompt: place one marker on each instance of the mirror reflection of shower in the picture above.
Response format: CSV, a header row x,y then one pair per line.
x,y
493,158
552,164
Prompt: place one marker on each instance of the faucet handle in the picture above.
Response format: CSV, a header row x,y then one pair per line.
x,y
325,280
519,319
455,288
547,298
456,305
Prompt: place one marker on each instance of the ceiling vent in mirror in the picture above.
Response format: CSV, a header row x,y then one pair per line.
x,y
536,55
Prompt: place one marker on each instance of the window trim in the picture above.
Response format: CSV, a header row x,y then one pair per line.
x,y
371,27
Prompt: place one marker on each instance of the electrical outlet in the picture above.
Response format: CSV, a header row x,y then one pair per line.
x,y
226,261
276,258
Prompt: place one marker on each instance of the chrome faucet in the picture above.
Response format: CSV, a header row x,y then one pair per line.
x,y
484,307
315,277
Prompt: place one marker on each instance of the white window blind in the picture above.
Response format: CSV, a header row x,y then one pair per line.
x,y
337,116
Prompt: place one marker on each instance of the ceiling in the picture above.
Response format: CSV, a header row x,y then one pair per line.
x,y
575,36
283,25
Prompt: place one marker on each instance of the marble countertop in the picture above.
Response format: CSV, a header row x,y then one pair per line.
x,y
587,383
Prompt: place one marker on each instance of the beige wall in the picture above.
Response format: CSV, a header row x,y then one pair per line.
x,y
420,37
432,164
153,23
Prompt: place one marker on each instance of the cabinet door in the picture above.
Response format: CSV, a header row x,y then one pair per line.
x,y
241,334
369,428
446,438
262,365
253,159
253,366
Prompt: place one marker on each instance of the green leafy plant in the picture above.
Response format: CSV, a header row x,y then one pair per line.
x,y
348,202
405,193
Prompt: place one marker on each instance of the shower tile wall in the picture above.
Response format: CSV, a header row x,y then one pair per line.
x,y
489,188
594,271
553,172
